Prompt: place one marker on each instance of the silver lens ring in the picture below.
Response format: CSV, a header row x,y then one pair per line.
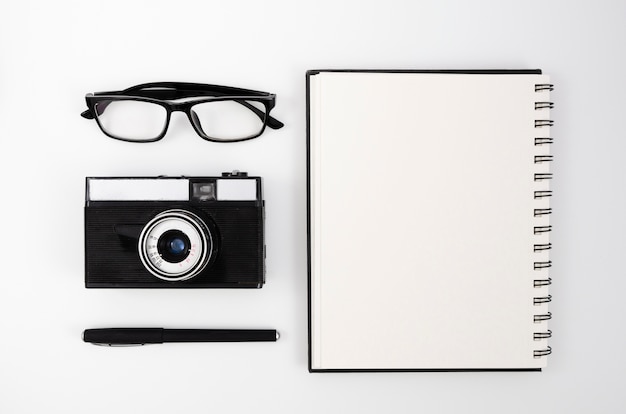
x,y
196,255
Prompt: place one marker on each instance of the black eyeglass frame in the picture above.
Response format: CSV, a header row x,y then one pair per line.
x,y
163,93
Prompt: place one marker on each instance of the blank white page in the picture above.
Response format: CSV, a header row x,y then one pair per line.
x,y
422,220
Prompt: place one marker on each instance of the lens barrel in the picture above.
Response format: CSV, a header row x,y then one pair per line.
x,y
176,245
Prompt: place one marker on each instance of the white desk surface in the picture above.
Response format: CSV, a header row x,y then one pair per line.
x,y
52,53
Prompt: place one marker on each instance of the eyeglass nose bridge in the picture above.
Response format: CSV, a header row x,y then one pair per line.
x,y
179,106
186,108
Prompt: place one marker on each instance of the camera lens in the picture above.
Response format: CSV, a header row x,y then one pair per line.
x,y
173,246
177,245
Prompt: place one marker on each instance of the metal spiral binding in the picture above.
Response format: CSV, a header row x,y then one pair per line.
x,y
542,299
543,193
540,247
543,105
542,335
543,140
543,176
542,317
543,265
540,87
543,158
543,123
542,211
542,229
538,353
542,282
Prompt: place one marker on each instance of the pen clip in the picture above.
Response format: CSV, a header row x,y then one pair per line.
x,y
116,345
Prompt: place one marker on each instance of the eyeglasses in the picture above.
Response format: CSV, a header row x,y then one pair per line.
x,y
142,113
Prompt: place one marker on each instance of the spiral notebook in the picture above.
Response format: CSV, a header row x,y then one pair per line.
x,y
428,220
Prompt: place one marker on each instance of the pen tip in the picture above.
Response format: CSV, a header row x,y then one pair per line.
x,y
277,335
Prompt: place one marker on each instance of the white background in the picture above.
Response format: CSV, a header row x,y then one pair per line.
x,y
52,53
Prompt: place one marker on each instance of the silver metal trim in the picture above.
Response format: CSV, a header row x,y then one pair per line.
x,y
200,227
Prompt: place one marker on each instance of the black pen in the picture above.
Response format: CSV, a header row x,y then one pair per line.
x,y
143,336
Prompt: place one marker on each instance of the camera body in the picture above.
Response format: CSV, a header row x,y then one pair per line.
x,y
174,232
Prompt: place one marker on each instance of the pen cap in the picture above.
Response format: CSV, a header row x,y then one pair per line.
x,y
123,336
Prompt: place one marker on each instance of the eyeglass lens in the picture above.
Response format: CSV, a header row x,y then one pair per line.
x,y
132,120
229,120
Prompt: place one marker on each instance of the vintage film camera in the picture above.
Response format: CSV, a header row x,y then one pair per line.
x,y
174,232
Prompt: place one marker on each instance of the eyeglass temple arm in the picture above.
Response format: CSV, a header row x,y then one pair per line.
x,y
177,90
88,114
271,121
